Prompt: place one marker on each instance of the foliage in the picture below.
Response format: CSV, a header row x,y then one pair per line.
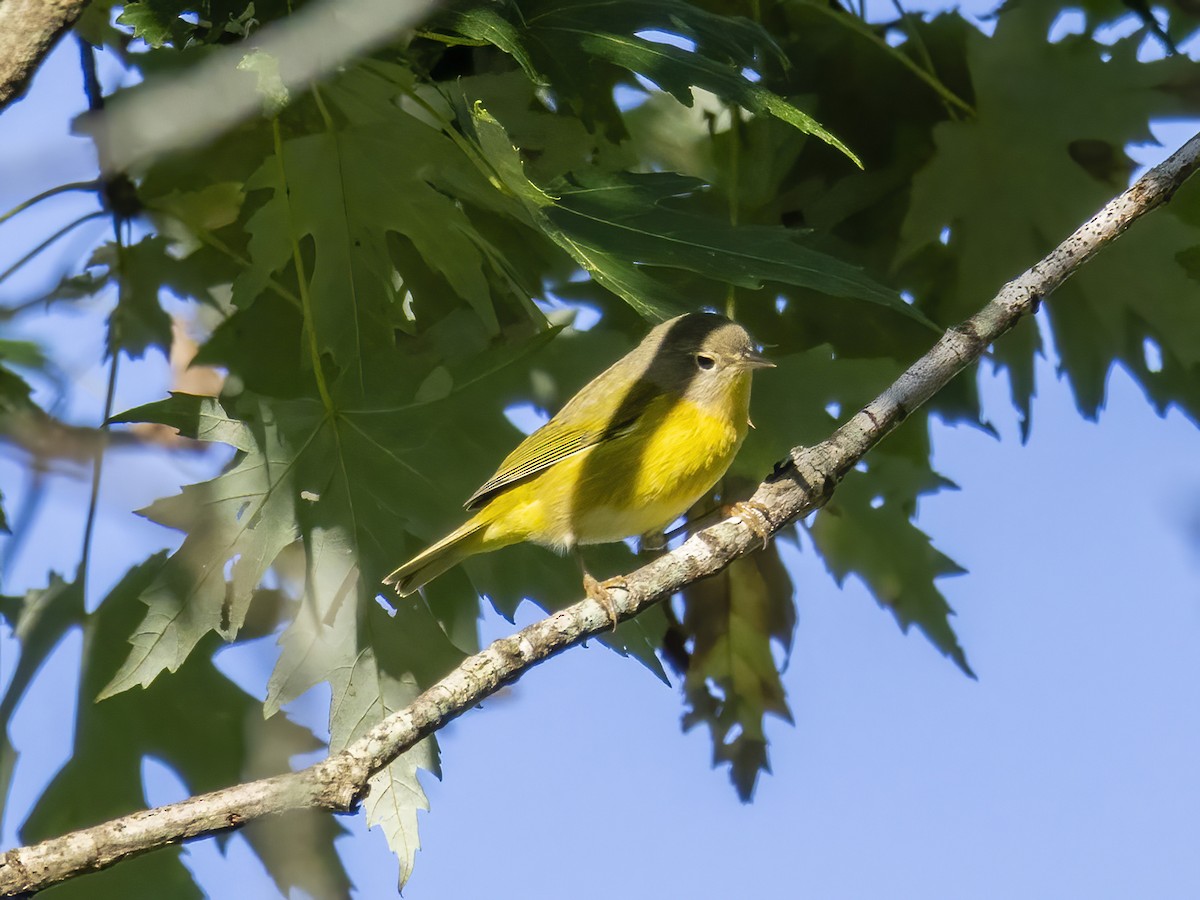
x,y
387,265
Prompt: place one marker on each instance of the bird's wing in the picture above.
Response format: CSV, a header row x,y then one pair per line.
x,y
593,415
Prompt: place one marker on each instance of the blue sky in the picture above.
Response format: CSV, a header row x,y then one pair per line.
x,y
1068,769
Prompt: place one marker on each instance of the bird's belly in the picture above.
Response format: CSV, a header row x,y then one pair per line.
x,y
629,485
605,524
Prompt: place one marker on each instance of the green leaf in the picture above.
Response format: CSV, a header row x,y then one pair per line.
x,y
294,462
10,610
801,401
677,71
613,33
875,34
298,851
240,521
262,347
621,227
341,190
139,272
205,209
731,680
184,23
486,26
374,668
350,485
14,392
201,725
38,620
26,354
1066,102
156,22
197,417
1189,259
365,696
866,530
632,216
1132,294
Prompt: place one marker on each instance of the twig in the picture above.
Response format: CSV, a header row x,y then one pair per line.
x,y
92,185
808,480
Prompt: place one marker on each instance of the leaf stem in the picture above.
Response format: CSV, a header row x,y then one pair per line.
x,y
447,122
918,41
923,51
322,108
207,237
735,144
47,194
89,526
91,84
66,229
314,347
860,27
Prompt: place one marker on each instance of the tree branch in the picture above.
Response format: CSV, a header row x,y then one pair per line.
x,y
191,108
804,484
28,29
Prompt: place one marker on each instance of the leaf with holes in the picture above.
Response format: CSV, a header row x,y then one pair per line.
x,y
341,190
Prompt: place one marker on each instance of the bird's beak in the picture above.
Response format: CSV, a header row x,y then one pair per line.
x,y
753,360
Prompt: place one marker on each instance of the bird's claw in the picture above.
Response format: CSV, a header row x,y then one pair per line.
x,y
600,591
754,516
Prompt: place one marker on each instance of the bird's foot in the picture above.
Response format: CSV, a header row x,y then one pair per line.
x,y
600,591
753,515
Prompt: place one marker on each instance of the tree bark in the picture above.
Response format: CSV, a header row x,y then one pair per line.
x,y
28,29
803,484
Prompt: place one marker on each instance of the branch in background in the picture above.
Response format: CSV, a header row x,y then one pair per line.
x,y
28,29
235,82
800,486
48,440
216,94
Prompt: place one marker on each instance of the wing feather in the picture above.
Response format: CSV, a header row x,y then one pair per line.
x,y
596,414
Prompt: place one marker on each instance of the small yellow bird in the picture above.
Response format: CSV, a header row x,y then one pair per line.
x,y
628,454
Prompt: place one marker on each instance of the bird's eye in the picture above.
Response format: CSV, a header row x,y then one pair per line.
x,y
704,361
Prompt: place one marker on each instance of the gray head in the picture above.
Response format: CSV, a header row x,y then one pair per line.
x,y
698,353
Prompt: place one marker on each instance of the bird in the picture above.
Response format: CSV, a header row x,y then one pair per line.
x,y
633,450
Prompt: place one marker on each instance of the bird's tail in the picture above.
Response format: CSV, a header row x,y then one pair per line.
x,y
464,541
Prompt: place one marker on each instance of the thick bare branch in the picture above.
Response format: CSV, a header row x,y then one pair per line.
x,y
804,484
28,29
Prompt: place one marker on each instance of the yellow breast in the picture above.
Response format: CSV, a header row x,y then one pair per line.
x,y
629,485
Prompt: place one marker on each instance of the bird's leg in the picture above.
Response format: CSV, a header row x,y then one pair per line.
x,y
599,590
652,541
753,515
